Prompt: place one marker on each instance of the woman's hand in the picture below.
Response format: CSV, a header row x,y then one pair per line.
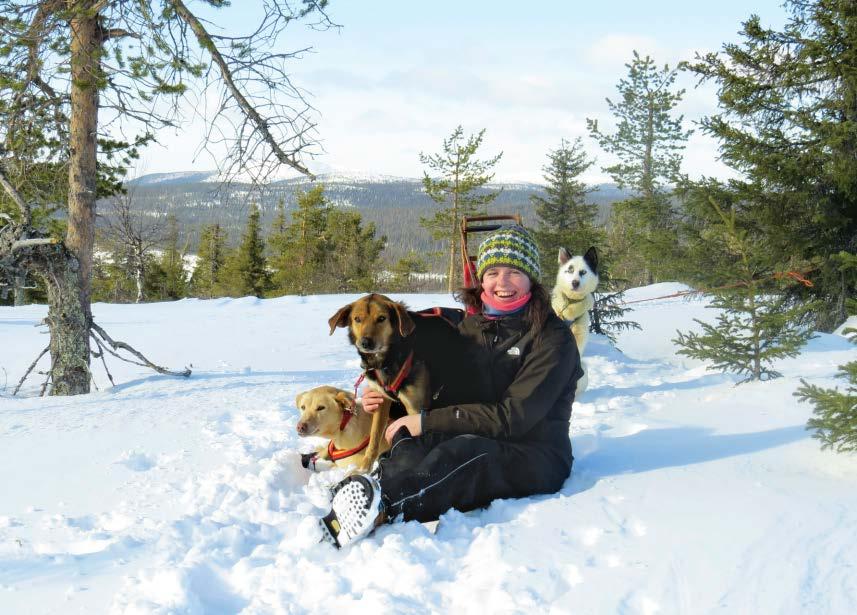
x,y
372,400
413,423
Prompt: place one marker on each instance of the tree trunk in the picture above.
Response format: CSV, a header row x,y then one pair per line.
x,y
138,276
68,296
456,189
18,284
67,320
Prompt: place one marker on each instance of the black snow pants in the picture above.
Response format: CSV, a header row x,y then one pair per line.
x,y
423,477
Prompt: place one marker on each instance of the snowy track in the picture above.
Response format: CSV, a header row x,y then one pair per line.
x,y
689,495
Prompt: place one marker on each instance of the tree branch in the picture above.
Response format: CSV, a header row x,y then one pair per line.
x,y
206,42
16,197
30,369
37,241
123,346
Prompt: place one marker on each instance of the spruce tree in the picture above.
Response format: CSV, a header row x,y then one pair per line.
x,y
607,316
211,256
405,273
565,218
172,264
246,270
648,142
788,126
456,181
353,254
299,250
758,322
835,412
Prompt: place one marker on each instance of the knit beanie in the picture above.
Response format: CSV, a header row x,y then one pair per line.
x,y
511,246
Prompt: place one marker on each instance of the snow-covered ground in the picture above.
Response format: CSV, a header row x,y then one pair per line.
x,y
164,495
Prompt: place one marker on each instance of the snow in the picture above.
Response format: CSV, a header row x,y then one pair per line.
x,y
325,173
179,177
165,495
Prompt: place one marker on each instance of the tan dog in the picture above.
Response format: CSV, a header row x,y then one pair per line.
x,y
406,356
332,413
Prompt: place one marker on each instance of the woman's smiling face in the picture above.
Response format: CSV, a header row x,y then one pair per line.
x,y
505,284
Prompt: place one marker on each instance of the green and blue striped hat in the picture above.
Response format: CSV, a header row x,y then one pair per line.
x,y
511,246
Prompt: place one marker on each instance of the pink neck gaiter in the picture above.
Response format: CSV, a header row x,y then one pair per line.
x,y
504,307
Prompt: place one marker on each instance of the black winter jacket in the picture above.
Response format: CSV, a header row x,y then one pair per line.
x,y
525,389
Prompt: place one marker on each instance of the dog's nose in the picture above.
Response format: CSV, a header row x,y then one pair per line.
x,y
575,283
366,343
302,428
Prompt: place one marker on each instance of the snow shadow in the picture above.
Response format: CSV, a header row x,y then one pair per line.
x,y
610,391
826,342
655,449
201,381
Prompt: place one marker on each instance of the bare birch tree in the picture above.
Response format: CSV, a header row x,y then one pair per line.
x,y
135,233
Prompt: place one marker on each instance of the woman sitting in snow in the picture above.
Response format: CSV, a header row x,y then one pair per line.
x,y
513,444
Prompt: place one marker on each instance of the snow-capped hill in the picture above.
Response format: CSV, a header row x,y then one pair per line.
x,y
351,178
282,176
178,177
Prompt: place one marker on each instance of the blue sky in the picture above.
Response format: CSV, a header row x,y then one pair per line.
x,y
399,76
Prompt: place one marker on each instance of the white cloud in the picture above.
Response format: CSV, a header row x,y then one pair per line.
x,y
613,51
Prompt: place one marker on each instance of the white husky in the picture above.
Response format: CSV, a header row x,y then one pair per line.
x,y
572,299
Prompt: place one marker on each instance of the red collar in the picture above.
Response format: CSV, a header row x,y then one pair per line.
x,y
346,416
394,386
337,454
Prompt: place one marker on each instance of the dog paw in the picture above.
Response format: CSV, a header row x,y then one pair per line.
x,y
308,460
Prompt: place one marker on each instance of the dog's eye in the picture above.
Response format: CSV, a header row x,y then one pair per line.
x,y
319,409
357,319
382,318
582,273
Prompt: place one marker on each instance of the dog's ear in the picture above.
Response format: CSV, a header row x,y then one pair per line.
x,y
564,256
340,319
345,400
591,259
406,324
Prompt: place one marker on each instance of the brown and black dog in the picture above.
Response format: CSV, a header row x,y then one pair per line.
x,y
406,356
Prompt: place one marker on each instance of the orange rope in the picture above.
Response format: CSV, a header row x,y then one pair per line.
x,y
795,275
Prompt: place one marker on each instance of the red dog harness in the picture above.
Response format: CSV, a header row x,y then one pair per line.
x,y
337,454
394,386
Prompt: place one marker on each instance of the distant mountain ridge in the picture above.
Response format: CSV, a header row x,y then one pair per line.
x,y
393,204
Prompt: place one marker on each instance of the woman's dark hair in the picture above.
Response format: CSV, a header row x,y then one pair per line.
x,y
536,313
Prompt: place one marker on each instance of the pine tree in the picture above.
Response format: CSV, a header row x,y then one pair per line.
x,y
759,323
245,270
565,219
788,126
352,254
405,272
457,183
607,315
299,250
60,62
835,414
172,264
211,256
648,142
